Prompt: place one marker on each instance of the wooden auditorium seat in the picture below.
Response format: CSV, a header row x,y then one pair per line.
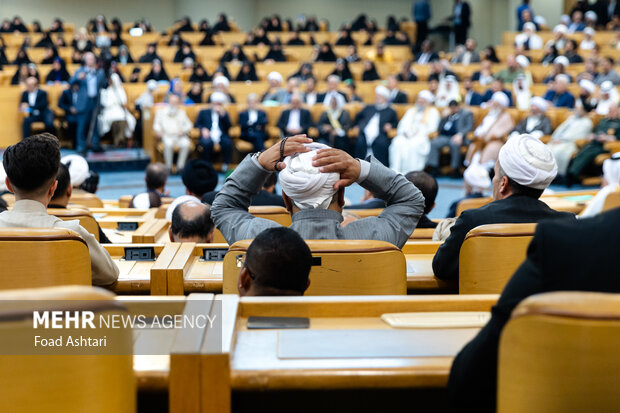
x,y
86,199
490,255
340,267
64,379
471,203
612,201
558,353
84,216
42,257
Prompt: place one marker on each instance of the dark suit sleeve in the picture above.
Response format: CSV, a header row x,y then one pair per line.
x,y
40,103
64,102
467,123
24,98
473,377
393,119
244,118
547,129
283,121
345,120
201,120
306,120
323,120
446,260
261,118
520,128
225,123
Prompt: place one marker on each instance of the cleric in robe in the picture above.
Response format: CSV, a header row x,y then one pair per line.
x,y
375,122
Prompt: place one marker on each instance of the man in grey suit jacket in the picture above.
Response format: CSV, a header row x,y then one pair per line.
x,y
405,203
452,132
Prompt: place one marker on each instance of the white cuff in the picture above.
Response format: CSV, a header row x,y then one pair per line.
x,y
364,170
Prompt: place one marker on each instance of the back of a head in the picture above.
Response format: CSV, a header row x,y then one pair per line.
x,y
427,185
199,177
528,164
191,222
32,164
156,176
304,183
280,261
64,182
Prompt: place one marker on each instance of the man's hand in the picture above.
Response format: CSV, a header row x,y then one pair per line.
x,y
206,133
387,128
457,139
335,160
293,145
82,75
73,110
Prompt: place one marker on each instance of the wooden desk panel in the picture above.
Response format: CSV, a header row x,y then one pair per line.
x,y
142,276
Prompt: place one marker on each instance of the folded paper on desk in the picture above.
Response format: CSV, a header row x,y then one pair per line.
x,y
444,319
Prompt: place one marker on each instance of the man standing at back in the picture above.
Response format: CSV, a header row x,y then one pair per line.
x,y
313,178
31,167
524,169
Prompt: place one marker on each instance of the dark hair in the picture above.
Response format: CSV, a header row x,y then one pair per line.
x,y
199,177
518,189
427,184
271,180
574,43
610,59
196,226
64,181
91,183
32,163
279,259
156,176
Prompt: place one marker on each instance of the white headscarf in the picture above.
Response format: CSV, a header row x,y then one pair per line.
x,y
477,177
2,178
304,183
528,162
611,169
78,169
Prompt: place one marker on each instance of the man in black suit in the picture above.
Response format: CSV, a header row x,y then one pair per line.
x,y
557,260
253,121
34,102
74,101
214,124
426,54
396,96
374,123
333,82
452,132
296,120
497,86
525,167
471,97
460,15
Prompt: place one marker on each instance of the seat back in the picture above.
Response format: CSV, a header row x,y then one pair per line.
x,y
64,379
42,257
84,216
340,267
471,203
490,255
86,199
559,353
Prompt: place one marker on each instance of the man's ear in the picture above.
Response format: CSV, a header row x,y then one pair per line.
x,y
287,202
69,191
504,186
170,234
341,197
52,189
210,237
8,185
245,282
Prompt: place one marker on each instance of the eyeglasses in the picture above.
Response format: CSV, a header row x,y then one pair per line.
x,y
241,264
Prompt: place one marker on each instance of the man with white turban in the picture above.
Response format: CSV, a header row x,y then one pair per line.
x,y
477,183
588,42
214,124
528,39
411,145
524,169
492,131
275,94
562,144
313,178
113,101
172,126
559,36
78,169
220,84
587,88
375,124
607,130
537,123
610,184
608,96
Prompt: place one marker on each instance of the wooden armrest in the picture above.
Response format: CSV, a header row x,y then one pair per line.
x,y
353,132
601,158
194,133
234,131
392,133
313,132
581,142
612,147
545,139
273,132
